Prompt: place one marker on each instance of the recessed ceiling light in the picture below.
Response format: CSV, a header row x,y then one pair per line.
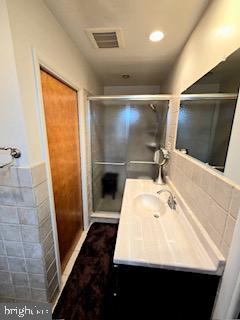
x,y
156,36
225,31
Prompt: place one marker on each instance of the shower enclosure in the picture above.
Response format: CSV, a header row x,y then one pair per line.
x,y
124,136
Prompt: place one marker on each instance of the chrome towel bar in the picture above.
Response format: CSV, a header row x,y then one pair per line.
x,y
110,163
124,163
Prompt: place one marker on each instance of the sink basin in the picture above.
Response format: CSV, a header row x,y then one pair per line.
x,y
148,205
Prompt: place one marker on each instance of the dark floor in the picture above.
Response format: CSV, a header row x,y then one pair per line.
x,y
88,292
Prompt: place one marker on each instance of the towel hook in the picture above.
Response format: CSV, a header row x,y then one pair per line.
x,y
14,153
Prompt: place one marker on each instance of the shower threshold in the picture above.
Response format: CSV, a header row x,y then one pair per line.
x,y
104,216
108,204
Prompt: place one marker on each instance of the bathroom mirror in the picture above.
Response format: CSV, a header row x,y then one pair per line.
x,y
209,118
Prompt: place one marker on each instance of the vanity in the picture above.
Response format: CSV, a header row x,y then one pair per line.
x,y
164,262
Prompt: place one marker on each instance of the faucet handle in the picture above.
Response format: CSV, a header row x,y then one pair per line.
x,y
172,202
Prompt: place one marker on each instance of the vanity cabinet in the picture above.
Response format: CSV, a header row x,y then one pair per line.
x,y
151,293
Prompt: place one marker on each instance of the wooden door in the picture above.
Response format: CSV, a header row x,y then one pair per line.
x,y
61,114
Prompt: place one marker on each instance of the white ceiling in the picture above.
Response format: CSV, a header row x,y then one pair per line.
x,y
146,62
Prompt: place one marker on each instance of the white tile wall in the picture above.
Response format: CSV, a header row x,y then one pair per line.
x,y
27,259
235,202
172,123
213,198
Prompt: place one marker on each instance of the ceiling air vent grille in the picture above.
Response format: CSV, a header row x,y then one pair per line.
x,y
104,38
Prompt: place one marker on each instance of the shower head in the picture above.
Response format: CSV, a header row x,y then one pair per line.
x,y
153,107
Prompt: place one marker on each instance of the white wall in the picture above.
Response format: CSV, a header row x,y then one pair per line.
x,y
216,36
232,167
12,131
115,90
34,26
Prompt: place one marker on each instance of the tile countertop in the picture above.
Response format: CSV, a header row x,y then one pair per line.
x,y
167,242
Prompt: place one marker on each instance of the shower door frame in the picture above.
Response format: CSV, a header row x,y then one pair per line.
x,y
144,97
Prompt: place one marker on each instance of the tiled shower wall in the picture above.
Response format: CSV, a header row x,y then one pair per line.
x,y
214,199
28,269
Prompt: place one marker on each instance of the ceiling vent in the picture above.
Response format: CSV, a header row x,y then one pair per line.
x,y
105,38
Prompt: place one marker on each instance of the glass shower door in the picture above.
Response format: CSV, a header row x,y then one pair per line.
x,y
109,131
124,136
147,125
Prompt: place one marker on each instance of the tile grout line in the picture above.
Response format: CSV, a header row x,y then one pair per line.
x,y
25,261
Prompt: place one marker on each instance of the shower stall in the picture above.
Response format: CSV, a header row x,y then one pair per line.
x,y
125,133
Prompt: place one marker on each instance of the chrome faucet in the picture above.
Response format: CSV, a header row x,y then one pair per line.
x,y
171,200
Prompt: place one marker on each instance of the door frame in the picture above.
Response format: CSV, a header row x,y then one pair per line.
x,y
41,63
